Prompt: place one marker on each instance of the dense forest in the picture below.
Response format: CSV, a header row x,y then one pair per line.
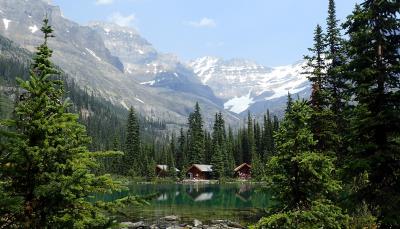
x,y
331,162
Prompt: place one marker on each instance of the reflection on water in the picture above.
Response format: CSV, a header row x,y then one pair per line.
x,y
239,202
162,197
204,196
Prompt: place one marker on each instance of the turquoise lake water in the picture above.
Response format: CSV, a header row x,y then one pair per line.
x,y
242,203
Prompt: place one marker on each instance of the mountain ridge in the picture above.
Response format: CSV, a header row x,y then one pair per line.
x,y
118,64
246,85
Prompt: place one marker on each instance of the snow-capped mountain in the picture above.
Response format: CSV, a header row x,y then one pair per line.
x,y
112,62
118,64
245,85
143,63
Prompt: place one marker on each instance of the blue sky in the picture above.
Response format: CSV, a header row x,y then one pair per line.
x,y
271,32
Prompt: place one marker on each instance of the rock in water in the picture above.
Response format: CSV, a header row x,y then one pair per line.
x,y
139,224
171,218
197,223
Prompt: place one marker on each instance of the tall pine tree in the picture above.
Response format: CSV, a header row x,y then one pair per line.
x,y
300,178
196,137
374,73
49,166
130,160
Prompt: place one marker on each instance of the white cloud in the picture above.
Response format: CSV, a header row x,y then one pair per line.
x,y
122,20
204,22
104,2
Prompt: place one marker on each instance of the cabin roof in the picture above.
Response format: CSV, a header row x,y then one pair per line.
x,y
241,166
165,167
203,168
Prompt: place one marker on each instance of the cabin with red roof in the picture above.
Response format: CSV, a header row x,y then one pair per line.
x,y
199,172
243,171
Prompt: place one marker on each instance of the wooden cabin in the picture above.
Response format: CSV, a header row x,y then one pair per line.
x,y
199,172
162,170
243,171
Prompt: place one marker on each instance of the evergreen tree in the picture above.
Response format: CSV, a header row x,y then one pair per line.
x,y
289,103
335,57
181,155
316,70
48,166
196,137
171,172
208,147
323,123
268,141
257,167
250,140
300,178
218,159
373,71
130,160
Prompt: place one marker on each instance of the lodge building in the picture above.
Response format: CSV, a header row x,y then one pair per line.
x,y
205,172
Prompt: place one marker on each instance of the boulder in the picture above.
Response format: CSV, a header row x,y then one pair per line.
x,y
171,218
136,225
197,223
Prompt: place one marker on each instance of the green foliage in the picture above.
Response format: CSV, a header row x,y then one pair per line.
x,y
171,169
257,168
301,178
373,70
315,69
129,163
196,137
219,151
46,170
321,214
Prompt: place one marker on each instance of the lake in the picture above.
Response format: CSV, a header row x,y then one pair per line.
x,y
242,203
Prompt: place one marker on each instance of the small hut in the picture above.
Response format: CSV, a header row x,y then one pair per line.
x,y
243,171
200,172
162,170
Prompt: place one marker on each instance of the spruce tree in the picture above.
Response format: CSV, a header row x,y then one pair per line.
x,y
257,167
335,59
130,160
250,139
316,69
336,85
196,137
171,172
48,167
301,179
218,159
181,155
373,70
323,123
267,138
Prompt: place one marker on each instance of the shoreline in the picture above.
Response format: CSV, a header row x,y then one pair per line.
x,y
174,221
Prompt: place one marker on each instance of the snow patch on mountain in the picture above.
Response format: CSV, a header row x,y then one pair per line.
x,y
241,83
239,104
93,54
124,105
204,67
285,79
151,82
137,99
33,28
6,23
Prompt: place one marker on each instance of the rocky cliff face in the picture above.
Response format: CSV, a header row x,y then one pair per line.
x,y
117,63
112,62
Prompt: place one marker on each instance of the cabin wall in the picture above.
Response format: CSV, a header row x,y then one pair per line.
x,y
197,174
244,173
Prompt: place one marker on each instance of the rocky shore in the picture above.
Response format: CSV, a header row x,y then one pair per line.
x,y
174,222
